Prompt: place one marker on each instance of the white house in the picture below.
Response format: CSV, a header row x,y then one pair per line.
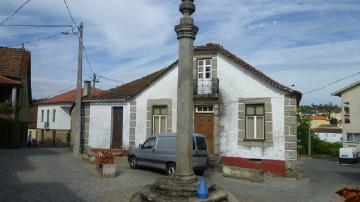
x,y
248,119
329,133
54,118
350,97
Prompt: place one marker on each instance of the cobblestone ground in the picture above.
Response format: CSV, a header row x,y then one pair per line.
x,y
50,174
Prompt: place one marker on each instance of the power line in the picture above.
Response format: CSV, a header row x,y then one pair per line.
x,y
32,25
41,39
15,12
329,84
68,9
110,79
87,60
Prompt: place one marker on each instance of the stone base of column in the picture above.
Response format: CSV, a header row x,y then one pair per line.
x,y
170,189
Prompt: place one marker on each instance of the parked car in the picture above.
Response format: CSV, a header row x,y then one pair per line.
x,y
347,155
159,151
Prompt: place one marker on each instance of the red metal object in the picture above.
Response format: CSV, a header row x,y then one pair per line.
x,y
104,157
350,194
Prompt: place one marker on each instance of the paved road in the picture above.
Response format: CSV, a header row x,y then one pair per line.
x,y
41,174
327,176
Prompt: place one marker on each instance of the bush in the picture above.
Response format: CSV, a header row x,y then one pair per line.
x,y
324,148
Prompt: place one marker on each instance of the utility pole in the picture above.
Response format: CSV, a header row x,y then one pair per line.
x,y
76,126
309,141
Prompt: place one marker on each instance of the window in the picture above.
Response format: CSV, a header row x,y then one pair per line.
x,y
201,143
160,119
149,144
204,109
48,115
255,121
54,114
42,115
353,137
204,69
347,112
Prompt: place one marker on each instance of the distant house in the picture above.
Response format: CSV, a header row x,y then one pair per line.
x,y
350,97
317,120
248,119
54,118
15,95
329,133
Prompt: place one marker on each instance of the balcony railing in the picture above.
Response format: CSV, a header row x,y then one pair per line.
x,y
206,88
6,110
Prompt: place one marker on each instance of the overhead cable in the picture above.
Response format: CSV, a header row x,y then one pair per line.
x,y
331,83
15,12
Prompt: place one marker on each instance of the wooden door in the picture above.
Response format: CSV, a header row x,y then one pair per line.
x,y
204,124
117,135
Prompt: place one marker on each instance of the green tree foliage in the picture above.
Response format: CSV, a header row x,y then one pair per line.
x,y
318,146
333,121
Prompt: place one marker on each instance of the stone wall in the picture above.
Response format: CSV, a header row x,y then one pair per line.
x,y
85,113
290,129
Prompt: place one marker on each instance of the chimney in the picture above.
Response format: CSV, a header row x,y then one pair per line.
x,y
87,88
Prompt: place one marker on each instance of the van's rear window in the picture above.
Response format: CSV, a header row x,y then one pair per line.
x,y
201,143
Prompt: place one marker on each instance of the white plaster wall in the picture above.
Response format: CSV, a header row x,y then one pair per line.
x,y
235,82
62,117
100,128
330,137
166,87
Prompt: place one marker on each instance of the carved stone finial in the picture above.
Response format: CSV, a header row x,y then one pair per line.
x,y
186,28
187,6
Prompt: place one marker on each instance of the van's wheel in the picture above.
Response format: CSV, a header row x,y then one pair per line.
x,y
340,161
133,162
170,169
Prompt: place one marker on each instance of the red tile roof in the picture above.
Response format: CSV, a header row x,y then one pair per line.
x,y
318,117
68,97
131,89
13,61
9,82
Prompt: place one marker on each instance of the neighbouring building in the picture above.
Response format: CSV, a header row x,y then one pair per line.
x,y
350,97
15,95
54,117
329,133
248,119
317,120
32,123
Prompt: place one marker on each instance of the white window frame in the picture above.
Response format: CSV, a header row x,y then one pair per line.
x,y
255,122
204,109
203,68
353,137
159,116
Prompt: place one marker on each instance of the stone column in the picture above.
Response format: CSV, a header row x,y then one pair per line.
x,y
13,97
186,32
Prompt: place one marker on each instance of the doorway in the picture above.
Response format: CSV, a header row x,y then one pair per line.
x,y
204,124
117,126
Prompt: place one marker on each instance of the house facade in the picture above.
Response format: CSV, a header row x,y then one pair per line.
x,y
15,95
54,118
317,120
350,97
329,133
248,119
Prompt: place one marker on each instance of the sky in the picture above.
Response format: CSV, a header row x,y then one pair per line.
x,y
307,43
